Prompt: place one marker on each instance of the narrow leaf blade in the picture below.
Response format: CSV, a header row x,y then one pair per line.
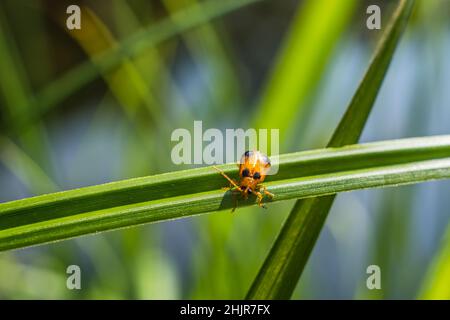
x,y
163,197
286,260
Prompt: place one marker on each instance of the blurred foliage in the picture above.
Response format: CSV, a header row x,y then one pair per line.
x,y
67,121
314,32
435,285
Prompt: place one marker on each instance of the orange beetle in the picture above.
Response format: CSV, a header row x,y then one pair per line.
x,y
253,168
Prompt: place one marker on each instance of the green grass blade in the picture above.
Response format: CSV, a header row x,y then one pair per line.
x,y
13,88
206,45
285,262
15,92
352,123
185,193
435,285
136,94
315,31
148,37
24,168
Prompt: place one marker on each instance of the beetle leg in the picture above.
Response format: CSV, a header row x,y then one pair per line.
x,y
246,193
260,198
232,182
267,193
235,202
229,188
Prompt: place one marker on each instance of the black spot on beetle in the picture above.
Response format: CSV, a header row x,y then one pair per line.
x,y
256,175
245,172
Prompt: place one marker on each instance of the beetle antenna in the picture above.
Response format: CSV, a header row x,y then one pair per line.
x,y
228,178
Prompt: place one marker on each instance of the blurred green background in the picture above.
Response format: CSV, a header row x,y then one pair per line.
x,y
85,107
